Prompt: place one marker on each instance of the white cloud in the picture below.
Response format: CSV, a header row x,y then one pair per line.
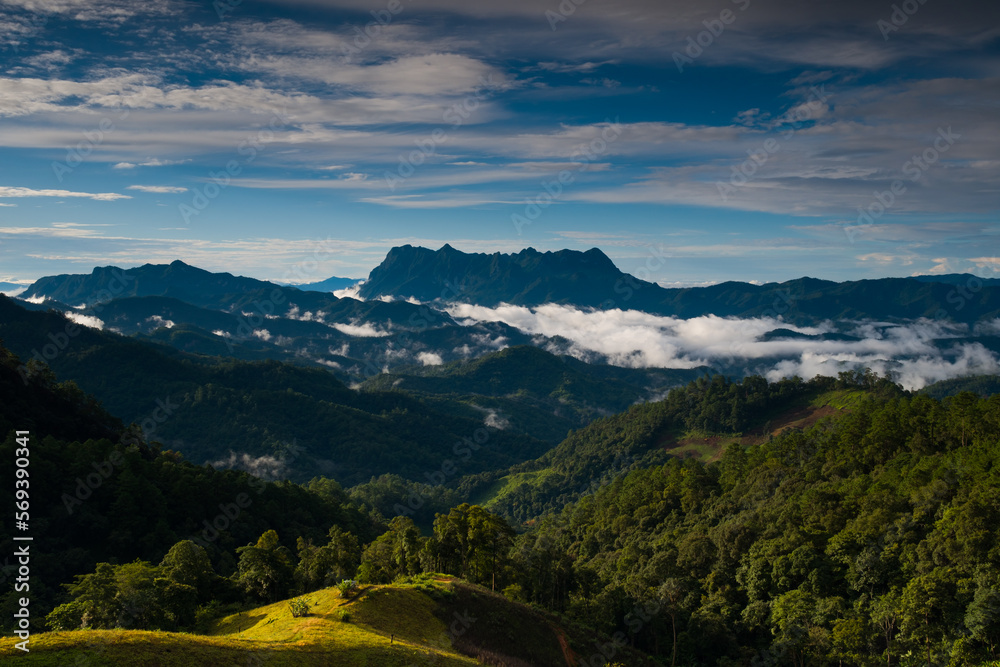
x,y
157,189
429,359
266,467
85,320
161,322
352,292
356,330
494,420
152,162
28,192
308,316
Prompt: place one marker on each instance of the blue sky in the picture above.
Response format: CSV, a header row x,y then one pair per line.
x,y
742,140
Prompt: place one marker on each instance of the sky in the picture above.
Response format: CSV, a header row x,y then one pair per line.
x,y
701,141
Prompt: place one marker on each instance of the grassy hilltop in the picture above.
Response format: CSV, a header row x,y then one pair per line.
x,y
435,620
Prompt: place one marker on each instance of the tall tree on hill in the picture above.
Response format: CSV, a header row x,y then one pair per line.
x,y
265,569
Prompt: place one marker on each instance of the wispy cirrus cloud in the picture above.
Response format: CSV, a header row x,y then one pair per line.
x,y
7,191
158,189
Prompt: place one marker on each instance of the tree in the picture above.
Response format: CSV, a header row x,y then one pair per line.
x,y
394,554
328,564
982,618
265,570
672,592
885,614
188,564
472,542
925,605
489,542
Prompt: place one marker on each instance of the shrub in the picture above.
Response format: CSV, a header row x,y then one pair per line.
x,y
345,616
347,587
299,608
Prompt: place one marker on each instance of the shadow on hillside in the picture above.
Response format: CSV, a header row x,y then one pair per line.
x,y
239,623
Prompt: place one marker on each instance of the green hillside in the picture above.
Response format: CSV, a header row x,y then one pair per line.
x,y
984,385
534,391
430,620
697,421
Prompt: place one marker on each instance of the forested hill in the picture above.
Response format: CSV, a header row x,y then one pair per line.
x,y
869,539
695,420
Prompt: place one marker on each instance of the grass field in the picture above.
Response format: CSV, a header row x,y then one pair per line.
x,y
389,625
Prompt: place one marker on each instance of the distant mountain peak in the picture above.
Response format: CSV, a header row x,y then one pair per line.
x,y
527,277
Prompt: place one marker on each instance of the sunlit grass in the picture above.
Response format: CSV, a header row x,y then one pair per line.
x,y
389,625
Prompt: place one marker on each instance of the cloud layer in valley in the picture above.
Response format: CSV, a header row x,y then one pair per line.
x,y
916,353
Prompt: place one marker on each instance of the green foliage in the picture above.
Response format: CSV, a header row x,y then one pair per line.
x,y
266,569
347,587
867,539
135,595
472,543
298,607
984,385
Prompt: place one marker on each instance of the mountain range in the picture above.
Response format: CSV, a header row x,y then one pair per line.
x,y
422,308
591,280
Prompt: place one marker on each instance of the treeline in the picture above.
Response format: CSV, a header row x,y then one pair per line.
x,y
185,592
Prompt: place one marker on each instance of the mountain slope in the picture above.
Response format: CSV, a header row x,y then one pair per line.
x,y
329,285
535,391
695,421
177,280
241,413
